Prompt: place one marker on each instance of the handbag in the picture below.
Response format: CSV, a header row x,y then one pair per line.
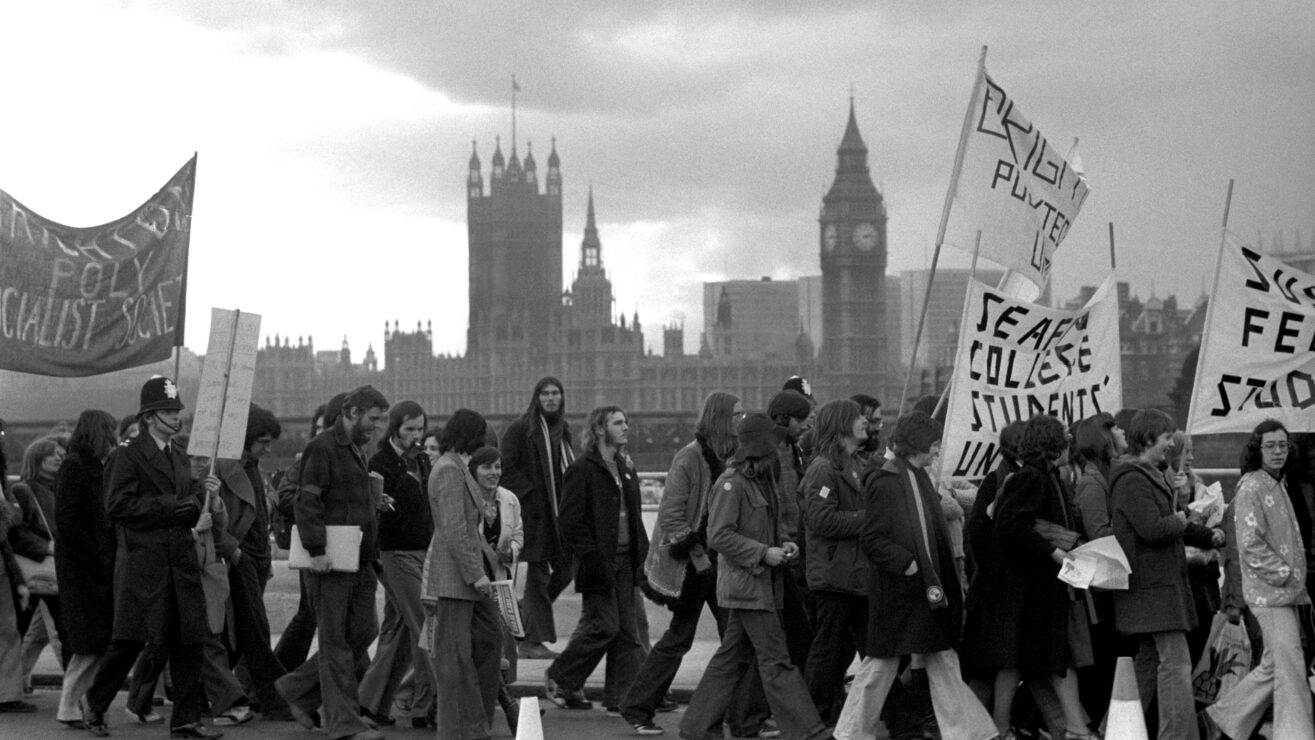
x,y
1056,534
40,576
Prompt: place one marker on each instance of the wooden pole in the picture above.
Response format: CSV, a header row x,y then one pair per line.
x,y
1210,308
963,317
1114,263
945,220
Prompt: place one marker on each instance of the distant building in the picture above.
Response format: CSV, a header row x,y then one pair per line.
x,y
838,330
940,332
752,318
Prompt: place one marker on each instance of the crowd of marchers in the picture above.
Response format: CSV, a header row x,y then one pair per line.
x,y
856,595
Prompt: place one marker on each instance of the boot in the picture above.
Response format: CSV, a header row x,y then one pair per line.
x,y
510,707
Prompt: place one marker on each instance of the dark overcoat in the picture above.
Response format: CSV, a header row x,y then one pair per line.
x,y
1143,515
156,572
1020,608
526,470
900,619
84,553
591,517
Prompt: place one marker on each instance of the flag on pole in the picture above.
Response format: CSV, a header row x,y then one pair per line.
x,y
1012,185
84,301
1257,358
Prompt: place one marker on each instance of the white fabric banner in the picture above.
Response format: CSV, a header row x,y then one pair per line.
x,y
1013,186
1015,360
1257,348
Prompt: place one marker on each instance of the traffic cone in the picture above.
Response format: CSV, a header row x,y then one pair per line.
x,y
1125,720
530,725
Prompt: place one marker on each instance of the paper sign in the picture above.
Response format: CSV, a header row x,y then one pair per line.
x,y
226,380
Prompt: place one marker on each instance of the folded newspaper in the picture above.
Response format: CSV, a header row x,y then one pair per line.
x,y
1097,564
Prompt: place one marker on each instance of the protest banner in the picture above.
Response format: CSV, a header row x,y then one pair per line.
x,y
1011,185
219,426
83,301
1257,358
1016,360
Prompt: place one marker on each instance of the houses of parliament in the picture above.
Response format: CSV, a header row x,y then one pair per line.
x,y
524,324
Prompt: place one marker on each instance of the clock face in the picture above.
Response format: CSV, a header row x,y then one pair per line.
x,y
865,236
829,237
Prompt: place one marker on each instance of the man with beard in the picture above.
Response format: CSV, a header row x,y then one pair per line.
x,y
335,491
536,450
406,528
870,446
602,525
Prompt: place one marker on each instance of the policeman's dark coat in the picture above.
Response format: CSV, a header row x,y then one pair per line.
x,y
157,578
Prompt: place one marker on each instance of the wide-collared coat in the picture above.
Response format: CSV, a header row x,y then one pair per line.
x,y
527,468
900,620
834,509
744,519
458,553
682,509
156,571
590,519
84,553
1143,515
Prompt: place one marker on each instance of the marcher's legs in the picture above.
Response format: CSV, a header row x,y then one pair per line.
x,y
713,696
77,678
536,606
11,643
1279,679
840,620
787,694
246,590
294,644
461,657
659,669
862,710
958,713
625,653
1173,687
221,686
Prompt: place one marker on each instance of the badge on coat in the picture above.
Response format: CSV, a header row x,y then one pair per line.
x,y
824,492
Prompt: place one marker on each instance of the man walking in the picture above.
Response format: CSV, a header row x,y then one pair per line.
x,y
158,597
406,527
536,450
335,491
602,526
247,537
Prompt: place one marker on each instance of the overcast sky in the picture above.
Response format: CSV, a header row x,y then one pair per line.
x,y
334,136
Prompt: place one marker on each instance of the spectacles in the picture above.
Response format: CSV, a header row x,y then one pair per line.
x,y
1275,447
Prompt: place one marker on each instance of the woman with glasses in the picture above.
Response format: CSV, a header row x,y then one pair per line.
x,y
1273,564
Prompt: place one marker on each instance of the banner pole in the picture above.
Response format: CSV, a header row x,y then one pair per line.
x,y
1113,262
223,401
1213,302
963,319
945,220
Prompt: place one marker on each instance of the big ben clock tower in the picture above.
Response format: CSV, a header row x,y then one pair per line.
x,y
852,235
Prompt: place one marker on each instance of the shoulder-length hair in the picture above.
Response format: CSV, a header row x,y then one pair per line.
x,y
757,468
1251,455
1146,426
835,423
1044,438
463,433
397,416
34,454
94,433
716,426
595,428
1093,442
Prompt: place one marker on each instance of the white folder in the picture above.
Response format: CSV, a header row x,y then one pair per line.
x,y
343,546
